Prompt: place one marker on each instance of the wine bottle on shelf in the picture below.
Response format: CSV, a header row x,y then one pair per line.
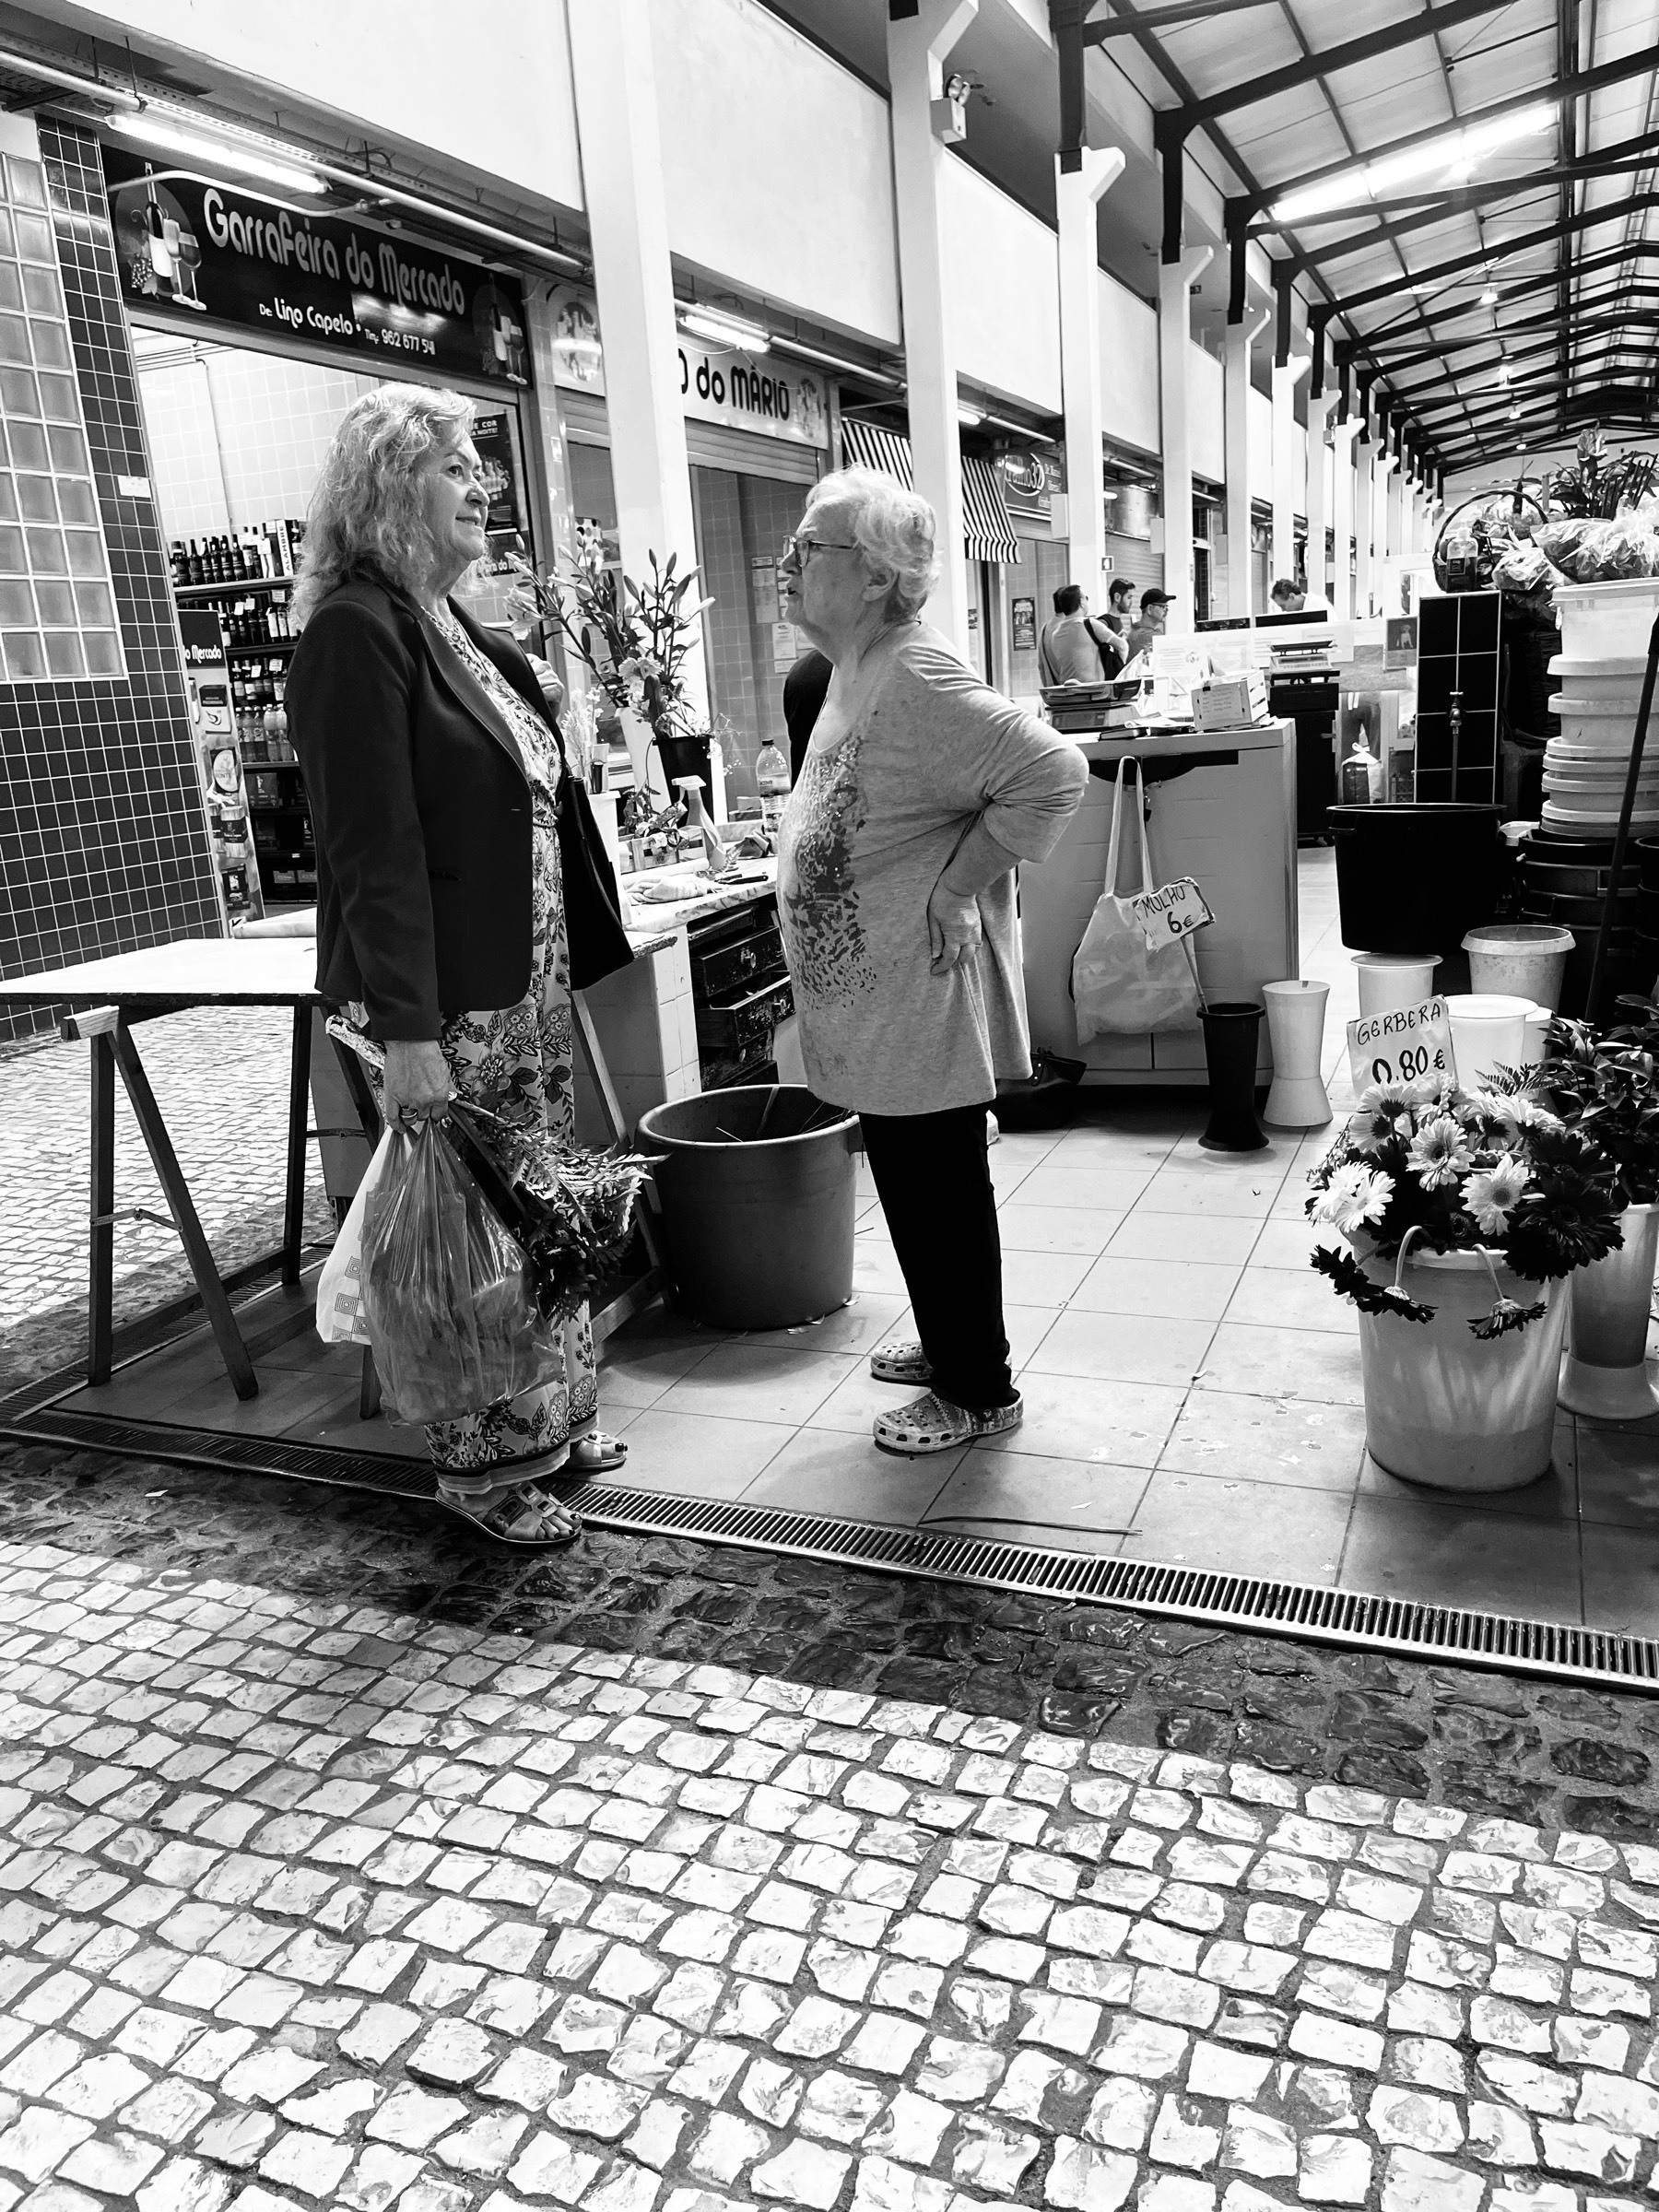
x,y
192,562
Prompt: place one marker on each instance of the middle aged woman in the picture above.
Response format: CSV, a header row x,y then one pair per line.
x,y
461,891
919,790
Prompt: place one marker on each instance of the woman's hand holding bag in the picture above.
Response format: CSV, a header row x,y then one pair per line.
x,y
1118,986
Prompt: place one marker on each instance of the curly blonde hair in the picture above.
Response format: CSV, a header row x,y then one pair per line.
x,y
893,529
366,515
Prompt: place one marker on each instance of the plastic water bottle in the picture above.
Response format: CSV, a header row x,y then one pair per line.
x,y
771,776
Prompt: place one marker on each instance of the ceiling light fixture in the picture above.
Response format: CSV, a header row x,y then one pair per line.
x,y
730,331
1452,150
1490,297
267,159
970,418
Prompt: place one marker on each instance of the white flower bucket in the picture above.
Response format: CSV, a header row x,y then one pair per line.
x,y
1442,1406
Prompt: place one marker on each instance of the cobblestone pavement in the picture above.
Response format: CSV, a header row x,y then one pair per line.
x,y
345,1864
221,1076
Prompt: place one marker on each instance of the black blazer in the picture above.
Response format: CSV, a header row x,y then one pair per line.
x,y
421,809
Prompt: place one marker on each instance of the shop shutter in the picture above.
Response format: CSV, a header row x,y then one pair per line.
x,y
716,445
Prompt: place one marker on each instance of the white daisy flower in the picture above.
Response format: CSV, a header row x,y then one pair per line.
x,y
1439,1153
1356,1195
1493,1198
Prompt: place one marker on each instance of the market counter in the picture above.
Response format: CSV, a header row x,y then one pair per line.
x,y
1221,807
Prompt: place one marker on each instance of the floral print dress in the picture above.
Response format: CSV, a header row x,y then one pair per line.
x,y
519,1061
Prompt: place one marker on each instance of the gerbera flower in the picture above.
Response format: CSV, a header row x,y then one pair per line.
x,y
1383,1099
1439,1153
1493,1198
1357,1194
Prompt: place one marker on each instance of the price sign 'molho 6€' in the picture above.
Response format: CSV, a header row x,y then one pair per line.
x,y
1401,1045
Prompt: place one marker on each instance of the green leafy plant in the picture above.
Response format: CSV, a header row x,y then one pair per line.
x,y
1425,1164
1595,485
1601,1084
634,639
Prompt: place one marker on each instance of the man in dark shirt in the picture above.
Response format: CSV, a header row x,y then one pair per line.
x,y
805,688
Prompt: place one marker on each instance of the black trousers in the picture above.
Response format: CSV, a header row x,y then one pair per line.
x,y
934,1185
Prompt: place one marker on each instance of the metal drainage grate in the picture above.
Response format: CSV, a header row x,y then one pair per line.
x,y
1299,1611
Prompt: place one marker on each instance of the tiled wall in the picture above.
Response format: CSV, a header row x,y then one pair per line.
x,y
104,844
239,437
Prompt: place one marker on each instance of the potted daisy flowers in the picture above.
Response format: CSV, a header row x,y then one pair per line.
x,y
1464,1212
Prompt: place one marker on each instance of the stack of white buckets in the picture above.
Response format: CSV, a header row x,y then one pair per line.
x,y
1603,638
1516,971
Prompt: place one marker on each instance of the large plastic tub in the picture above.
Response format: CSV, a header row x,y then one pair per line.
x,y
1518,960
1601,621
758,1220
1414,878
1607,723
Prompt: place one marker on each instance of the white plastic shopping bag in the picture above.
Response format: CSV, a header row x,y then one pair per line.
x,y
1118,985
340,1292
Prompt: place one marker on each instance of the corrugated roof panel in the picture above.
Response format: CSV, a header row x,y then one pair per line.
x,y
1219,51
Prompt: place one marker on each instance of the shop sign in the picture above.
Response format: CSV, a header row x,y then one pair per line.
x,y
1132,511
748,392
1401,1045
192,246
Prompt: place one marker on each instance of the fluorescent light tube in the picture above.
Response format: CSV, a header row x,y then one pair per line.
x,y
729,331
244,154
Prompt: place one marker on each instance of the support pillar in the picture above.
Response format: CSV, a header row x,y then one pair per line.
x,y
1394,526
1287,375
1365,485
1077,192
917,45
628,222
1175,280
1343,483
1319,520
1235,388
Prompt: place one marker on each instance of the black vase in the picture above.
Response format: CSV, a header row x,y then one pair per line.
x,y
687,757
1231,1030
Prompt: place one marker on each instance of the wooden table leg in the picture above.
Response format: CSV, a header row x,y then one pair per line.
x,y
293,1212
164,1161
101,1287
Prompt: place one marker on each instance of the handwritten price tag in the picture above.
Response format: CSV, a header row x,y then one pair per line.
x,y
1174,911
1402,1044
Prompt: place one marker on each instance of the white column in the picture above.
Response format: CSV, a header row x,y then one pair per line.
x,y
1343,480
1076,194
1364,517
1394,538
1235,392
917,46
1319,414
1175,337
1286,378
628,222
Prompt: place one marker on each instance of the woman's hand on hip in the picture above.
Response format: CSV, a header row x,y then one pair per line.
x,y
418,1085
953,928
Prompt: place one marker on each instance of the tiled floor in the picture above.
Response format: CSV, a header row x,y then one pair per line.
x,y
1193,1391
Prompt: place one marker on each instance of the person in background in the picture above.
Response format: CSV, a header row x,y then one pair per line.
x,y
462,889
1071,650
921,788
1288,599
1154,619
1119,606
804,689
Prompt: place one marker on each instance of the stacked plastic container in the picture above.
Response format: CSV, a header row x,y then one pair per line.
x,y
1604,632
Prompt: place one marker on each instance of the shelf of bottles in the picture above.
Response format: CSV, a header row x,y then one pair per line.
x,y
248,581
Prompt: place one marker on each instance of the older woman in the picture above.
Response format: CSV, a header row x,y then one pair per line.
x,y
919,791
459,890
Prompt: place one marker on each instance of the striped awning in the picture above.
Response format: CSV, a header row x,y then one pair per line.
x,y
989,535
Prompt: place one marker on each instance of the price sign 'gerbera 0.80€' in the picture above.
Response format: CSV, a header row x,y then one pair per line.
x,y
1401,1045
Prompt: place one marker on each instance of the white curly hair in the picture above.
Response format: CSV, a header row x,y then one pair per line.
x,y
893,528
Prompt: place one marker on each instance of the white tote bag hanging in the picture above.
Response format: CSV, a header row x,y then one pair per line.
x,y
1119,987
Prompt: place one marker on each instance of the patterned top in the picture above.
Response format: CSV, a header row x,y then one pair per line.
x,y
536,744
870,827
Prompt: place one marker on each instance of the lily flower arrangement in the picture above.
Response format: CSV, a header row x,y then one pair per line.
x,y
634,638
1425,1164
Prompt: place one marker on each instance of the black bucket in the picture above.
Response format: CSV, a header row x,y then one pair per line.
x,y
1414,878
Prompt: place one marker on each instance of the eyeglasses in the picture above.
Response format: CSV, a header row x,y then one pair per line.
x,y
800,549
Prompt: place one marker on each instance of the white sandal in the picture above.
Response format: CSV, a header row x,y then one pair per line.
x,y
931,1423
900,1361
595,1453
